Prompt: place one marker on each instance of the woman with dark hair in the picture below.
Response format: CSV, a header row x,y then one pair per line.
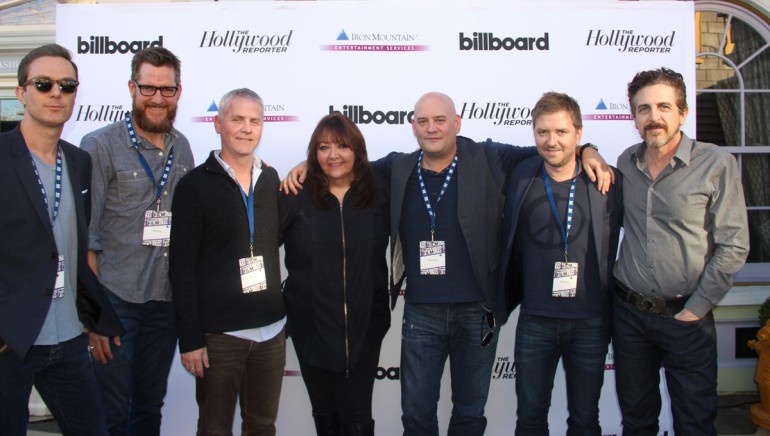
x,y
336,235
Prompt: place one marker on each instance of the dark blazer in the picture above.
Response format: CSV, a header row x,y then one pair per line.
x,y
28,254
606,220
481,171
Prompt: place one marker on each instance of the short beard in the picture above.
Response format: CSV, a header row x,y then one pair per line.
x,y
148,125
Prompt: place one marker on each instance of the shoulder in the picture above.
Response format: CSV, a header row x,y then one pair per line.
x,y
712,152
404,158
105,136
271,174
73,151
181,141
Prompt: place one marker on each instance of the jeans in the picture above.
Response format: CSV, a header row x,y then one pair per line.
x,y
643,342
240,369
133,383
430,334
65,380
582,345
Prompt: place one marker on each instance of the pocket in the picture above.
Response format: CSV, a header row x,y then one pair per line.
x,y
133,186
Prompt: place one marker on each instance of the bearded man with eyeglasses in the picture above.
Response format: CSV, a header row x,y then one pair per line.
x,y
48,295
137,164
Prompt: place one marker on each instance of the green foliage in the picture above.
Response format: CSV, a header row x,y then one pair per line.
x,y
764,312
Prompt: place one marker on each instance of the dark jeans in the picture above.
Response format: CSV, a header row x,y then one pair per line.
x,y
248,371
430,334
582,345
642,342
63,376
349,398
133,383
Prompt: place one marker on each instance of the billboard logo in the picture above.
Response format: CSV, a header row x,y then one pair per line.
x,y
104,45
627,41
487,41
359,115
392,373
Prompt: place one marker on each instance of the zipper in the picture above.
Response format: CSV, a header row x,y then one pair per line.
x,y
345,295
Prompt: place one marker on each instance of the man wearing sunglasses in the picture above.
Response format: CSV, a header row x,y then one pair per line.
x,y
48,295
137,164
560,240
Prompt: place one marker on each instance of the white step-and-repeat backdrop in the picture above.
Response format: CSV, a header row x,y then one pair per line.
x,y
371,60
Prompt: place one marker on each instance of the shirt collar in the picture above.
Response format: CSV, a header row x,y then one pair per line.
x,y
682,154
256,167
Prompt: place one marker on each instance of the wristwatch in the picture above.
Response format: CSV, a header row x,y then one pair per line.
x,y
583,147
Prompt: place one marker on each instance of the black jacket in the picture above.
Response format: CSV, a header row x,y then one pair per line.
x,y
209,235
336,256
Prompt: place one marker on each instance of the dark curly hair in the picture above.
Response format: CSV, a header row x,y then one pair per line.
x,y
339,129
661,76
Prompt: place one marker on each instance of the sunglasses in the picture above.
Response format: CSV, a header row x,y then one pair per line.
x,y
487,319
67,86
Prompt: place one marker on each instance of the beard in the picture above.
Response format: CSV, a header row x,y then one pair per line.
x,y
656,141
150,126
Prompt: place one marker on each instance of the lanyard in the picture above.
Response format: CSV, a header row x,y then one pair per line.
x,y
248,201
145,165
570,205
424,191
57,185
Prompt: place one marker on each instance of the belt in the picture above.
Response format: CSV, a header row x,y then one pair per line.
x,y
658,306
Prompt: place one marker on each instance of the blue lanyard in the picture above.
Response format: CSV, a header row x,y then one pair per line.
x,y
424,191
145,165
570,205
57,184
248,201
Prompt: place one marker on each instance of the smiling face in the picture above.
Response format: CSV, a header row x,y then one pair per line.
x,y
47,109
557,138
240,128
657,116
336,161
154,114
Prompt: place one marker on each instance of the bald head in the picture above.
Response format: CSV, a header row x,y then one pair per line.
x,y
435,99
436,125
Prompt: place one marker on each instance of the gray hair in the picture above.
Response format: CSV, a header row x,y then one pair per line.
x,y
239,93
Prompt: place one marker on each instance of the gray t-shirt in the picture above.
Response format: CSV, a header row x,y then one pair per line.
x,y
61,323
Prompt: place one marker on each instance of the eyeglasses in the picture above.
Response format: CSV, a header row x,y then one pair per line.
x,y
67,86
149,90
487,319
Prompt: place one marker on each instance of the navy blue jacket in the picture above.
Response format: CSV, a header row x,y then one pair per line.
x,y
606,220
28,253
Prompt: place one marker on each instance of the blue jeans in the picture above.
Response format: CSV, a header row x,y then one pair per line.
x,y
582,345
133,383
643,342
63,376
430,334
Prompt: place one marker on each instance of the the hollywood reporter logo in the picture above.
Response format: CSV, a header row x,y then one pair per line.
x,y
505,368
